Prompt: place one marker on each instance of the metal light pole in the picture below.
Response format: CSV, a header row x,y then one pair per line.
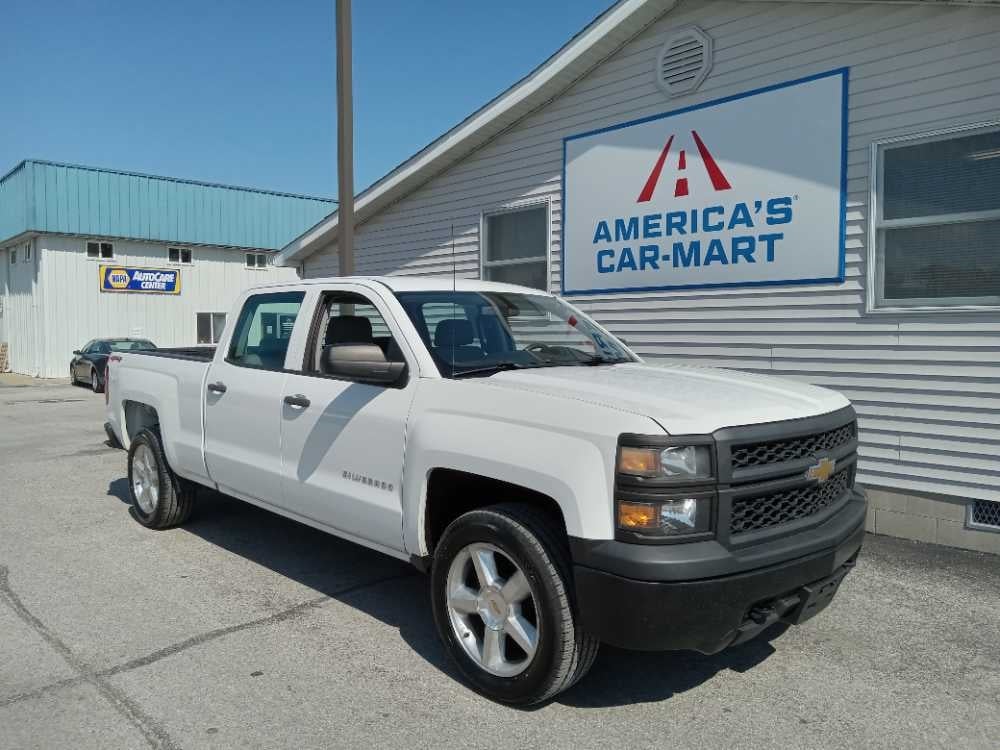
x,y
345,140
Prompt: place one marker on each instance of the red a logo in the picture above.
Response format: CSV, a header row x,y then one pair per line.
x,y
719,181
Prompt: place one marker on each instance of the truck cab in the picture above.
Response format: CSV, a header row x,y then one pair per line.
x,y
560,491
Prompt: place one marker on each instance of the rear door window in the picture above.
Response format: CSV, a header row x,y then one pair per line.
x,y
264,329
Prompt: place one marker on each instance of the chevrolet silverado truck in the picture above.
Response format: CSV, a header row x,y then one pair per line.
x,y
560,491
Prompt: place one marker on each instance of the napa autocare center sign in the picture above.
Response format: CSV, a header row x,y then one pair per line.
x,y
143,280
740,191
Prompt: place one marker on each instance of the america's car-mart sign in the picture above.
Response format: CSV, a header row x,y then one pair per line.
x,y
740,191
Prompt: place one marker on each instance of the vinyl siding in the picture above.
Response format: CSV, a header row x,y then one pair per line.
x,y
926,386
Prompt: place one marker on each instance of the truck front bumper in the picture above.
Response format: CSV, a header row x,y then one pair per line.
x,y
652,598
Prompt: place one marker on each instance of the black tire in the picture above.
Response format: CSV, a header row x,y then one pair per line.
x,y
537,543
95,381
176,496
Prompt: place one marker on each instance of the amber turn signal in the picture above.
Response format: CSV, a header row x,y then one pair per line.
x,y
637,515
643,462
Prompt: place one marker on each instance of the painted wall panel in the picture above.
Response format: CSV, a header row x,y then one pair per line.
x,y
21,309
73,310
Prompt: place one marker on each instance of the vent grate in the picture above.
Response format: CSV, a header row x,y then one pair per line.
x,y
985,514
776,451
684,61
763,512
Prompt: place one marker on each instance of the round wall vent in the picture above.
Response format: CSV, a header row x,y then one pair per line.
x,y
684,61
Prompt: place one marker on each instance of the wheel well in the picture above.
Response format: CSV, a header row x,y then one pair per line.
x,y
450,493
139,417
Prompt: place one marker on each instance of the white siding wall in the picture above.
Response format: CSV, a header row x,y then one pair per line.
x,y
4,271
75,310
21,309
926,386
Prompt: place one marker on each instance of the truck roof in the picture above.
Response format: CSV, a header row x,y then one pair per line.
x,y
419,284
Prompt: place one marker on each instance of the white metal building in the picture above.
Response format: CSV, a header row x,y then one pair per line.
x,y
77,243
809,189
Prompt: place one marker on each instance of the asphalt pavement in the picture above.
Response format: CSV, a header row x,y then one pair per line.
x,y
246,630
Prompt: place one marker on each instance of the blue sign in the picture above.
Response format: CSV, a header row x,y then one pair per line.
x,y
142,280
742,191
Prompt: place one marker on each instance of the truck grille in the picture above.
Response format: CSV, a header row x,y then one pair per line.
x,y
765,511
777,451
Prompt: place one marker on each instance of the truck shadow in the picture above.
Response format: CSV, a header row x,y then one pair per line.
x,y
394,593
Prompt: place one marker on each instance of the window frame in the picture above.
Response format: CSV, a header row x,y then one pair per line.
x,y
98,258
180,256
27,252
875,299
515,207
255,266
231,340
12,256
211,326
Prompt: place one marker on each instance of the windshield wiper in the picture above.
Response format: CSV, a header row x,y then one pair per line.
x,y
597,359
493,369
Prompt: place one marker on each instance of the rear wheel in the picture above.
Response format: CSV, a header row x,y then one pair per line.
x,y
160,499
502,600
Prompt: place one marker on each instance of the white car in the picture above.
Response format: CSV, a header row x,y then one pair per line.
x,y
560,491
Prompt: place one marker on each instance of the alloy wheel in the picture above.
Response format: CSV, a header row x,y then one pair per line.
x,y
492,610
145,479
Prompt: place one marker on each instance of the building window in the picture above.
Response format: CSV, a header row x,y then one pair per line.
x,y
13,257
210,327
256,260
937,221
103,250
27,252
516,247
179,255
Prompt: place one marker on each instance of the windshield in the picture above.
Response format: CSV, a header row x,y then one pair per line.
x,y
479,333
125,345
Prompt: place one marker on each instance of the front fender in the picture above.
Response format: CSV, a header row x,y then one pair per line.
x,y
573,467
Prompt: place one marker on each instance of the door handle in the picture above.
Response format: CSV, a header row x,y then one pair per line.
x,y
297,400
217,387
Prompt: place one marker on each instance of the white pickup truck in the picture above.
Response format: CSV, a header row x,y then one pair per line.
x,y
559,491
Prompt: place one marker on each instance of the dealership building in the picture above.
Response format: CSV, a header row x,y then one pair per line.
x,y
804,189
96,253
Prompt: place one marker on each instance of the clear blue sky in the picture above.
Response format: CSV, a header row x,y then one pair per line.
x,y
242,91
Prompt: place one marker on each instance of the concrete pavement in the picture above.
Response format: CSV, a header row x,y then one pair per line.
x,y
247,630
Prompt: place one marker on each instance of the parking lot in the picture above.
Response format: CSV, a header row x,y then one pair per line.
x,y
244,629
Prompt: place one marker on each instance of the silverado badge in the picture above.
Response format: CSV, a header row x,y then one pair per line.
x,y
821,471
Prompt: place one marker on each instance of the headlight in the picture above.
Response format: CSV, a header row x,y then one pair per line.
x,y
690,514
675,462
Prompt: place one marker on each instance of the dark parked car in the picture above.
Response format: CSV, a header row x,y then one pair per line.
x,y
88,363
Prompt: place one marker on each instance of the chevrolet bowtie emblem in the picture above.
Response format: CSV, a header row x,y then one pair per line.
x,y
821,471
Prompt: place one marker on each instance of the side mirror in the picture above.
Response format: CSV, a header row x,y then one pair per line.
x,y
365,363
77,352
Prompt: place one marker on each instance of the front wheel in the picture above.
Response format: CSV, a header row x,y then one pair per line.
x,y
95,381
160,499
502,599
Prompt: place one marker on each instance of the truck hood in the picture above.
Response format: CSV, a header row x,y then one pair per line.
x,y
683,399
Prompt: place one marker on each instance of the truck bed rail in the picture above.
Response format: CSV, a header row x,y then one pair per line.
x,y
197,353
